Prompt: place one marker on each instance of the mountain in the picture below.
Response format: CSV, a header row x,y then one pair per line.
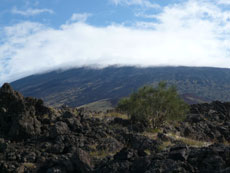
x,y
80,86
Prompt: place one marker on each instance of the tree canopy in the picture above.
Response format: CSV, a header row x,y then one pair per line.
x,y
152,106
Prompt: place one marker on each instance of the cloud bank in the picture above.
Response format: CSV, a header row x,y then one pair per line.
x,y
225,2
193,33
31,12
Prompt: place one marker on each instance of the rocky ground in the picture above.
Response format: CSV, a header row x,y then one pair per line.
x,y
36,138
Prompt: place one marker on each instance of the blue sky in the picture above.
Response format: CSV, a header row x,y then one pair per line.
x,y
104,12
38,36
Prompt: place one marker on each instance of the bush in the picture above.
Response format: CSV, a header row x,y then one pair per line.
x,y
154,106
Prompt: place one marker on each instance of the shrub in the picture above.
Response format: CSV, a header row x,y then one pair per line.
x,y
152,106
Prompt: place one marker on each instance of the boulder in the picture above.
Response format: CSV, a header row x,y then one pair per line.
x,y
125,154
19,116
82,161
179,152
60,128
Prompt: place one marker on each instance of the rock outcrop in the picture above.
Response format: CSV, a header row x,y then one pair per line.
x,y
208,122
37,138
19,115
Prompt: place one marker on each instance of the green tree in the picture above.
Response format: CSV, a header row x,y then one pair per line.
x,y
152,106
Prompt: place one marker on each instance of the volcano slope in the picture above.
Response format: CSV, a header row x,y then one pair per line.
x,y
81,86
37,138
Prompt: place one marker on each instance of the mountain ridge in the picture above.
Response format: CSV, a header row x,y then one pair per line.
x,y
80,86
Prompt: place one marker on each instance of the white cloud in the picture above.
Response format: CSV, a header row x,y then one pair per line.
x,y
82,17
30,11
194,33
225,2
143,3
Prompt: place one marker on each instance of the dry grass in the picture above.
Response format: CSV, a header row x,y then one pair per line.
x,y
102,115
226,143
100,154
150,135
117,115
188,141
98,106
151,130
164,145
148,152
93,146
29,165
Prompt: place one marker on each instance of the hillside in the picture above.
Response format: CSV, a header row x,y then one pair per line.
x,y
37,138
81,86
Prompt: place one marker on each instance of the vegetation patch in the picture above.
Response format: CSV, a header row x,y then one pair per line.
x,y
153,106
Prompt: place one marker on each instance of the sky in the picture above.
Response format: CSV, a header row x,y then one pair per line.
x,y
42,35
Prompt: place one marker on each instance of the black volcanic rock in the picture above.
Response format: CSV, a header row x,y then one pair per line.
x,y
207,122
6,88
179,152
60,128
82,161
18,116
36,138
